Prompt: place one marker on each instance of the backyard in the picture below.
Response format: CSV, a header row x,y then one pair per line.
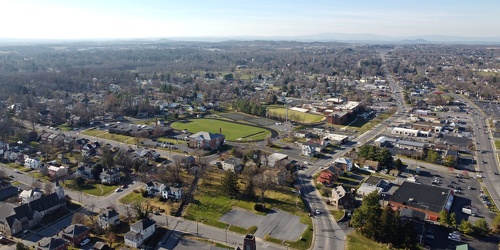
x,y
232,131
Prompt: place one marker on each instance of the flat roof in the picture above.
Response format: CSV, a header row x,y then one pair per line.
x,y
421,196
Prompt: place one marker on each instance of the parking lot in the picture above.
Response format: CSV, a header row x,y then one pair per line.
x,y
469,191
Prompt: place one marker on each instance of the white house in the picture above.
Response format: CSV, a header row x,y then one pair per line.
x,y
32,163
139,232
310,149
154,187
174,193
28,196
108,217
345,163
232,164
58,171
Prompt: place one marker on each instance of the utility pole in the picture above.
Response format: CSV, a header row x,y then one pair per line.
x,y
226,232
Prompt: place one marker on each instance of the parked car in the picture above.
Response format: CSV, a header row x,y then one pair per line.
x,y
84,242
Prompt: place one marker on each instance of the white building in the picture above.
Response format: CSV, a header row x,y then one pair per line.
x,y
28,196
32,163
139,232
174,193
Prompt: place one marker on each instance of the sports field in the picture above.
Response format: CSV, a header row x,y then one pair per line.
x,y
232,131
295,115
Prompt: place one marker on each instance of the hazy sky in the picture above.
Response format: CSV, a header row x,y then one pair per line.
x,y
71,19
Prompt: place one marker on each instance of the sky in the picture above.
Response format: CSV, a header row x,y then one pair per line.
x,y
95,19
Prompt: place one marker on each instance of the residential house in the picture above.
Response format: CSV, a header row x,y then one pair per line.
x,y
311,149
52,243
372,184
140,232
341,199
84,171
28,196
75,233
371,165
154,187
185,161
4,147
206,140
33,163
55,171
303,134
343,163
232,164
15,219
108,217
174,193
329,175
110,176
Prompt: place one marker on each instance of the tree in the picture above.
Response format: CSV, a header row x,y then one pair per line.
x,y
432,156
263,183
495,224
450,161
21,246
444,218
366,219
78,218
142,211
111,238
466,227
408,235
229,183
80,181
107,159
481,227
398,164
48,188
453,220
389,224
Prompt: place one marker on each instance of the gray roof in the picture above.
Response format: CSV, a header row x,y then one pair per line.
x,y
143,224
421,196
74,230
205,135
233,161
51,242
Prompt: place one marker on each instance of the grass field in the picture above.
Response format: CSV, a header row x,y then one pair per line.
x,y
295,115
497,144
358,242
232,131
94,189
131,198
106,135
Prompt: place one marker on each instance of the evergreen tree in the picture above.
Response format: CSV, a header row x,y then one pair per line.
x,y
366,219
408,235
466,227
230,183
389,223
481,227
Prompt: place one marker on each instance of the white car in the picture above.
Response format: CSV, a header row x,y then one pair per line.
x,y
84,242
318,212
118,190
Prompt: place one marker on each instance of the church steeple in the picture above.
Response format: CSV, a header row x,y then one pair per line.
x,y
59,190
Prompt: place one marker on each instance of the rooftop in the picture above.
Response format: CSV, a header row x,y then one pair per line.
x,y
421,196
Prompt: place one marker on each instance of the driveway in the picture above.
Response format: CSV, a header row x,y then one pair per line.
x,y
278,224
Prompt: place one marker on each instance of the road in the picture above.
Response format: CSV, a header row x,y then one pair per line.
x,y
486,162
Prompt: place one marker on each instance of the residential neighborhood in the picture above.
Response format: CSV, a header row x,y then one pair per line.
x,y
306,149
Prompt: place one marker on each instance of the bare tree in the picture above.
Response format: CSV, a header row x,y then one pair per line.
x,y
129,213
263,183
78,218
36,184
48,188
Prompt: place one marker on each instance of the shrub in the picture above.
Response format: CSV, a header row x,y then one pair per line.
x,y
260,207
145,193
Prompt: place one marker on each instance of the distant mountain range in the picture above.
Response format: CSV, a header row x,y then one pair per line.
x,y
321,37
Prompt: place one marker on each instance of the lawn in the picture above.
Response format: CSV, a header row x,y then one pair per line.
x,y
497,144
106,135
93,189
131,198
295,115
337,214
232,131
356,241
